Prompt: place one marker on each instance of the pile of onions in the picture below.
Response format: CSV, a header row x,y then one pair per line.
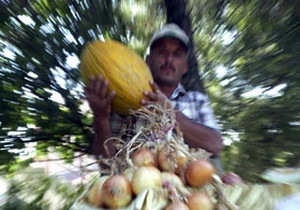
x,y
166,163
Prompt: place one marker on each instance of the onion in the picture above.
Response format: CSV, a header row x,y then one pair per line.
x,y
164,160
94,197
199,172
199,201
231,179
146,177
128,173
182,162
171,161
177,206
144,157
173,179
116,192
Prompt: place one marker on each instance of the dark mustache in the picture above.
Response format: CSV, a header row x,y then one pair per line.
x,y
166,65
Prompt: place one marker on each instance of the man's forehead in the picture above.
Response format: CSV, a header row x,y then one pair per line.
x,y
169,41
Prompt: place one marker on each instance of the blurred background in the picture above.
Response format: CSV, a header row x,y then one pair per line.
x,y
246,57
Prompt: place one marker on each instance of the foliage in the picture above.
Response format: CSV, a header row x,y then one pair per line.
x,y
41,66
32,189
263,54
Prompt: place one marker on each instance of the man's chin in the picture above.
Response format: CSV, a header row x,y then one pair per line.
x,y
167,81
167,71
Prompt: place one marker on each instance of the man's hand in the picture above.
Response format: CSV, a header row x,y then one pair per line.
x,y
98,97
156,96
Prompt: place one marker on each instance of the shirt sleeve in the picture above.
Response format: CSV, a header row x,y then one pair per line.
x,y
206,113
115,124
196,106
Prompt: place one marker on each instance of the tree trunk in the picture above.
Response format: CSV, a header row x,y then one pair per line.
x,y
178,12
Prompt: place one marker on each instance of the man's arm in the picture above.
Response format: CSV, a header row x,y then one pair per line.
x,y
102,132
100,102
196,135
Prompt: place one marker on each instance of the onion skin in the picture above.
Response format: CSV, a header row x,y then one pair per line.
x,y
171,178
146,177
199,201
95,194
199,172
182,162
144,157
164,160
128,173
177,206
116,192
166,165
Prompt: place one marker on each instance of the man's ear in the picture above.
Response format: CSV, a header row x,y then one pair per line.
x,y
186,66
148,59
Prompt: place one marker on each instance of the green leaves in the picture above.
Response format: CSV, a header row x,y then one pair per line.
x,y
32,189
41,36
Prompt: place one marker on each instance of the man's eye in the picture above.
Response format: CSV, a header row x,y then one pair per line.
x,y
162,51
177,54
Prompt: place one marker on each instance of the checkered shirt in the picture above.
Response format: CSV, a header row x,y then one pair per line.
x,y
193,104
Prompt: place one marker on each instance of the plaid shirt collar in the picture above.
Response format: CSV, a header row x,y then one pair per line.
x,y
179,90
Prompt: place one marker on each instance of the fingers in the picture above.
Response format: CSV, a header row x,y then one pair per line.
x,y
99,97
111,96
151,96
98,85
156,96
97,89
154,86
103,87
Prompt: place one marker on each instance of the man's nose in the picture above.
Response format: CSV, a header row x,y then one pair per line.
x,y
169,57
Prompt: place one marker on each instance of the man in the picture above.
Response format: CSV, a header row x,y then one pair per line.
x,y
168,63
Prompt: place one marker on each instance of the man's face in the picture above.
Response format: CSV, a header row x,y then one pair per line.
x,y
167,61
